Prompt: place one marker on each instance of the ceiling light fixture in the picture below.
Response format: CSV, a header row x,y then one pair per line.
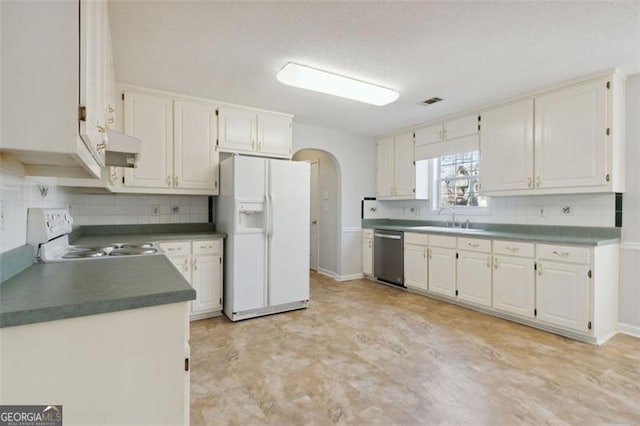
x,y
333,84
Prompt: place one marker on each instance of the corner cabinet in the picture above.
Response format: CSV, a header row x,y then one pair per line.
x,y
367,252
246,131
397,175
179,151
200,263
565,140
59,92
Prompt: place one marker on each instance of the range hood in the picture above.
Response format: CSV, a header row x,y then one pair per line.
x,y
122,150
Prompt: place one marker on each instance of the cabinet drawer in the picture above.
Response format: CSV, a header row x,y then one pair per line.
x,y
513,248
367,233
563,253
442,241
419,239
176,248
474,244
207,247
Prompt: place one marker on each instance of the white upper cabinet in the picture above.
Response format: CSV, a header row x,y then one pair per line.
x,y
451,129
398,175
246,131
571,136
566,140
506,147
237,130
196,155
274,134
58,59
179,152
150,118
385,179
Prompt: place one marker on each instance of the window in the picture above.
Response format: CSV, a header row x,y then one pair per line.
x,y
457,181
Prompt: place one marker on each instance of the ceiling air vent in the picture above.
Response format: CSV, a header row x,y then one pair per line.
x,y
431,101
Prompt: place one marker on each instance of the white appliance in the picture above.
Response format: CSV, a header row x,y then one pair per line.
x,y
48,231
263,207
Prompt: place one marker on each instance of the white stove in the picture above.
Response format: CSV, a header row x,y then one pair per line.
x,y
48,230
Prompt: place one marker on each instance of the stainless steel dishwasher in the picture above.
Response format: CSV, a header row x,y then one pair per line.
x,y
388,261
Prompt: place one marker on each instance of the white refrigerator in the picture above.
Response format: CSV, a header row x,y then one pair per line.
x,y
263,208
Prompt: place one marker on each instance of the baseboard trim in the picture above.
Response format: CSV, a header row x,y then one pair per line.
x,y
327,273
629,330
349,277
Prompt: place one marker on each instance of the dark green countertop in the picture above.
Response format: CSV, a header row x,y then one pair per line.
x,y
568,235
53,291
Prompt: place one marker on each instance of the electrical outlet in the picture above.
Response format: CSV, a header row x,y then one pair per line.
x,y
175,210
541,212
155,211
566,210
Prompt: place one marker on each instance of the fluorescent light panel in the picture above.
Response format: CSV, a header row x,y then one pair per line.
x,y
333,84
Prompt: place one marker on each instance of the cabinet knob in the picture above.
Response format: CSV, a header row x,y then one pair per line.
x,y
529,182
168,180
488,261
259,145
177,180
539,266
495,263
101,147
110,109
195,264
100,128
538,181
561,253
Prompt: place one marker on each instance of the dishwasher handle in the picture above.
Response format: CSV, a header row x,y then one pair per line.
x,y
391,237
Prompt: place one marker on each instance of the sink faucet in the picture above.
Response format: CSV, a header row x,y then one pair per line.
x,y
453,216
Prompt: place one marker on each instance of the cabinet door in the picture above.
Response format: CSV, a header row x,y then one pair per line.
x,y
562,295
207,273
473,278
196,155
384,169
570,136
183,265
463,126
514,285
367,256
429,134
237,130
404,169
415,266
442,271
274,135
506,148
93,75
150,118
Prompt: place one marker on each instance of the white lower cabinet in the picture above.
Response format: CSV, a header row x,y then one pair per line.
x,y
367,252
514,278
442,265
200,263
415,261
569,290
473,277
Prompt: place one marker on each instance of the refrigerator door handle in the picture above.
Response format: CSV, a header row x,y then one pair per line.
x,y
267,214
270,233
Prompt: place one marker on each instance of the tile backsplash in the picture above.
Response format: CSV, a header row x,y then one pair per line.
x,y
17,194
119,209
567,210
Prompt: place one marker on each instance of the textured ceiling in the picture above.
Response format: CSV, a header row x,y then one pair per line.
x,y
468,53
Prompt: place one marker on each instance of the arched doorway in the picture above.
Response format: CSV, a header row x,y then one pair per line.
x,y
325,208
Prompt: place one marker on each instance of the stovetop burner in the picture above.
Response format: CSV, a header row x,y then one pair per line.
x,y
83,254
132,251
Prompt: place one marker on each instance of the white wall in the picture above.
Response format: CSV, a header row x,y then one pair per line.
x,y
327,207
355,155
17,194
630,249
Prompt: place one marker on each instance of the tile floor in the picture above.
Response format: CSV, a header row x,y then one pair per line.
x,y
366,354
